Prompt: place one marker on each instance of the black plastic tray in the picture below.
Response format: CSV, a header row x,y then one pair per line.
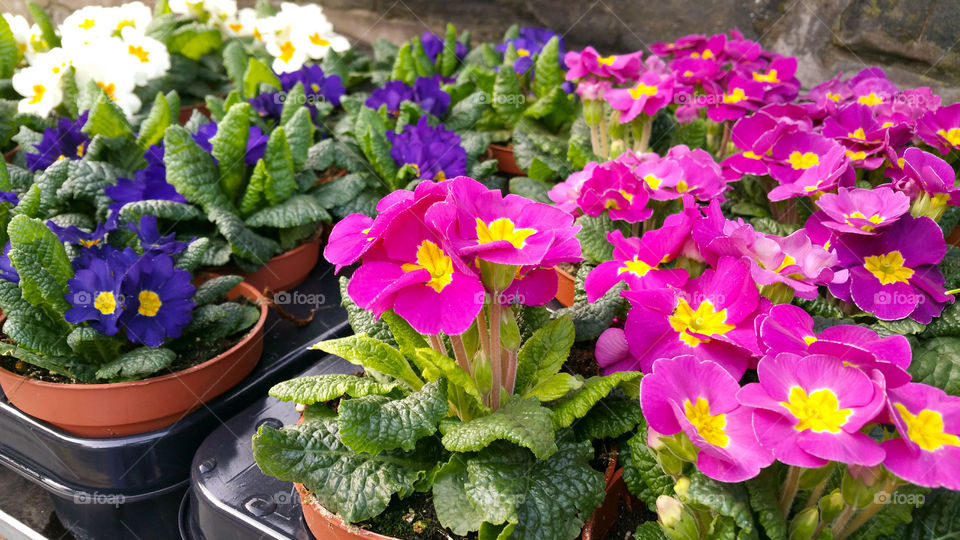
x,y
229,497
132,486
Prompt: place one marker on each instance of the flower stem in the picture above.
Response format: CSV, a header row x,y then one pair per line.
x,y
595,138
635,229
461,353
495,366
641,138
482,333
790,486
866,513
511,373
437,344
724,141
604,139
817,492
842,519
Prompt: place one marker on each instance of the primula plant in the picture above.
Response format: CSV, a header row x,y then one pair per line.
x,y
110,305
463,395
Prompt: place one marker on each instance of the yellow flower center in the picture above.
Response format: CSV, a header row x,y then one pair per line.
x,y
257,35
502,229
835,97
105,303
523,52
87,24
149,303
706,55
652,181
820,411
642,90
769,77
432,259
108,89
870,99
952,135
875,219
705,321
926,429
125,23
319,41
141,54
688,73
606,60
80,149
856,156
809,339
888,268
38,91
736,96
749,154
315,87
787,262
87,243
236,27
635,266
682,186
286,51
803,160
858,134
712,427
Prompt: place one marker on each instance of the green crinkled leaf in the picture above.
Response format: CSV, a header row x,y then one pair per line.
x,y
192,257
253,197
258,73
155,124
467,112
370,134
950,266
541,356
373,354
340,190
407,338
49,183
68,366
9,54
243,242
93,346
610,418
578,404
320,388
535,148
453,506
591,319
508,99
376,423
649,530
295,211
947,324
521,421
531,189
192,171
361,320
892,516
900,327
547,73
356,486
769,225
763,494
462,390
215,289
403,67
43,21
194,40
593,236
545,499
299,130
330,152
172,210
235,61
280,184
692,134
937,362
215,321
229,147
937,519
41,260
43,337
137,364
107,119
725,499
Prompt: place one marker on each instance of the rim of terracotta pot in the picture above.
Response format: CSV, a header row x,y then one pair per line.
x,y
80,389
264,277
506,159
337,528
567,291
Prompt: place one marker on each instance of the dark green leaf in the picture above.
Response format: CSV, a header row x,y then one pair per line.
x,y
215,289
522,421
373,354
375,423
137,364
191,170
320,388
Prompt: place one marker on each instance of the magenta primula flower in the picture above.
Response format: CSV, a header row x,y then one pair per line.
x,y
927,452
734,99
780,84
616,67
698,397
702,176
862,211
940,128
591,89
651,93
681,46
894,274
865,138
710,317
827,172
809,410
792,156
480,223
789,329
635,261
929,182
612,187
565,194
662,178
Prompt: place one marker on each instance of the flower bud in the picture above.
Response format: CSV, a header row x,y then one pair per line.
x,y
805,524
809,478
482,372
682,488
677,522
855,491
509,330
931,207
831,505
614,127
592,111
617,148
778,293
681,447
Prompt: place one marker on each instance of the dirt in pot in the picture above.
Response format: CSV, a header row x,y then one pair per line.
x,y
630,517
582,361
569,268
412,518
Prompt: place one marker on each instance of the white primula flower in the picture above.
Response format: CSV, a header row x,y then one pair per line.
x,y
86,25
37,44
55,61
318,41
220,10
288,55
150,57
41,90
107,63
186,7
20,29
132,15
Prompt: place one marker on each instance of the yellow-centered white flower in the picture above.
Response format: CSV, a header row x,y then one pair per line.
x,y
107,63
86,25
41,90
149,57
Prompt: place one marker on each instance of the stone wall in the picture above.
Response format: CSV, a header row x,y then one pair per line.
x,y
915,41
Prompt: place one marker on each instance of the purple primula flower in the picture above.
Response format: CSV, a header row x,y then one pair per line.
x,y
7,271
316,84
431,98
149,183
635,261
862,211
433,46
77,236
927,453
268,105
158,300
778,77
941,128
435,152
528,45
894,274
808,410
256,142
698,398
67,141
613,187
792,156
391,94
152,241
95,291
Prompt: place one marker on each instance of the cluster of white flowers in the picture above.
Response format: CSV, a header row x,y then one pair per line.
x,y
105,45
294,35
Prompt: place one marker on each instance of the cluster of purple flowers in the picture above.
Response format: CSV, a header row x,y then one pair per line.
x,y
317,87
426,93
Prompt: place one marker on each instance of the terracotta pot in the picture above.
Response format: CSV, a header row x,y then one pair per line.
x,y
128,408
285,271
8,157
605,517
506,162
187,112
954,238
566,289
329,526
